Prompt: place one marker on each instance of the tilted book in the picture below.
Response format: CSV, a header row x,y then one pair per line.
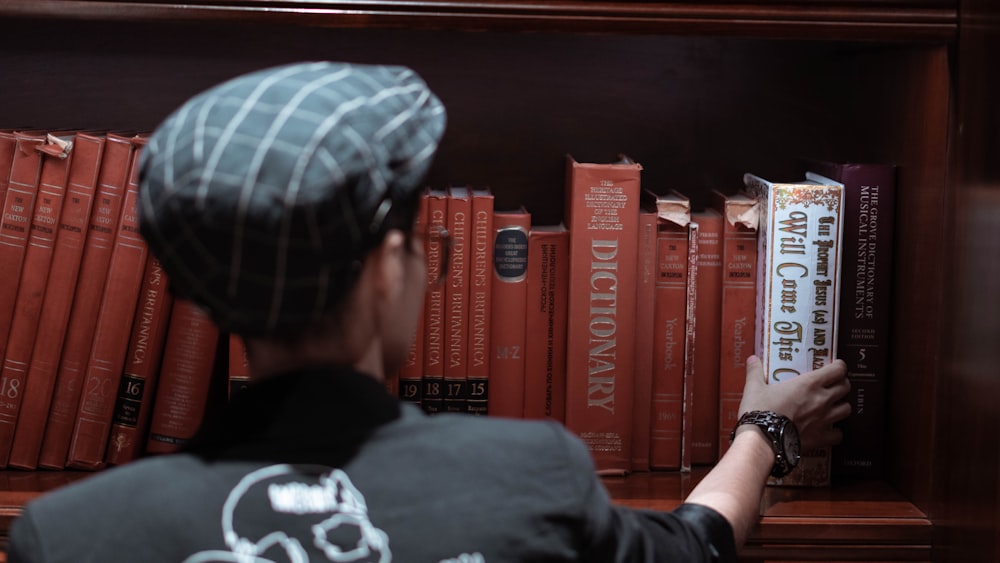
x,y
740,214
432,392
673,212
480,301
56,159
15,227
865,310
509,302
57,302
103,227
545,323
798,297
644,322
112,332
602,214
137,388
456,301
690,346
185,378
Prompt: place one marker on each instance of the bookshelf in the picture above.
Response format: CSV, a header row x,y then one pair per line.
x,y
699,92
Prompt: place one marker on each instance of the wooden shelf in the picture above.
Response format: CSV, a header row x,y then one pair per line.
x,y
886,20
857,521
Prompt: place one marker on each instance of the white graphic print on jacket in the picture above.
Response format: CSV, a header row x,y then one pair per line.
x,y
329,514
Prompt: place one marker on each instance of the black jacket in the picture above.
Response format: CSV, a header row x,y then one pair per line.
x,y
324,465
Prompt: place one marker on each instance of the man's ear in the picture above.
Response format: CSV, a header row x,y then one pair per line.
x,y
388,263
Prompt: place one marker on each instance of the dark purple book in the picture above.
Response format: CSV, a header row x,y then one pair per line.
x,y
866,310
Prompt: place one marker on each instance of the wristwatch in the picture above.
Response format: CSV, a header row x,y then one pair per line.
x,y
783,435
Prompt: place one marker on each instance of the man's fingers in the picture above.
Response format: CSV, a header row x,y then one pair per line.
x,y
755,370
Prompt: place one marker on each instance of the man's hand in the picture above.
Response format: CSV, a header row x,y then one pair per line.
x,y
814,400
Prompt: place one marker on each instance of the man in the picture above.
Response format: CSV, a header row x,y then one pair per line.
x,y
283,203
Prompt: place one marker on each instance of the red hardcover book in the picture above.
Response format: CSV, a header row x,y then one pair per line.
x,y
673,212
690,328
57,302
644,314
410,386
865,312
31,288
705,406
547,286
602,214
238,365
480,301
456,302
15,227
740,215
103,227
112,333
508,302
7,144
432,394
136,390
185,378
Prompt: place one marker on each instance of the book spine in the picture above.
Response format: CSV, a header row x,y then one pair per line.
x,y
480,305
547,283
7,144
669,323
690,341
238,366
604,234
133,404
865,312
15,228
739,306
432,393
644,324
185,378
31,290
704,444
410,387
509,302
93,273
89,440
57,302
799,247
456,303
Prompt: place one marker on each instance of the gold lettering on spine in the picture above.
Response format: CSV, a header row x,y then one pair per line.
x,y
603,325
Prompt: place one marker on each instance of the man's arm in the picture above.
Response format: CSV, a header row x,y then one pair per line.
x,y
814,401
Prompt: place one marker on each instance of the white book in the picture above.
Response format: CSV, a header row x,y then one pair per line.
x,y
798,294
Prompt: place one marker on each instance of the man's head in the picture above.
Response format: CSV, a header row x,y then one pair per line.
x,y
263,196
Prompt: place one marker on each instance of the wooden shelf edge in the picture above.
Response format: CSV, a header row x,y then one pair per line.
x,y
915,21
863,520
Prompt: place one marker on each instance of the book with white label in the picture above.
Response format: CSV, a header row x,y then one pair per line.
x,y
798,295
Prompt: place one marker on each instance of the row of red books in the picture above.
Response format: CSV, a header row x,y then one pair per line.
x,y
86,321
631,321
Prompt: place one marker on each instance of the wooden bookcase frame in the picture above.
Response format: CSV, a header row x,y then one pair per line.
x,y
699,92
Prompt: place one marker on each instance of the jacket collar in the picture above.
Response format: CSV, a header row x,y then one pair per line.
x,y
316,415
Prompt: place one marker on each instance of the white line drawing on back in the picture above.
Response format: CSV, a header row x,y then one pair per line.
x,y
333,495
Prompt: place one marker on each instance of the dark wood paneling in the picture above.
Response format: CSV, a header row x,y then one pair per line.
x,y
829,19
967,468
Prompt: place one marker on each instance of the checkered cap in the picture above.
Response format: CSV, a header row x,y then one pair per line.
x,y
261,195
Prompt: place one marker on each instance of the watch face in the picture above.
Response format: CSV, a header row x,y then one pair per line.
x,y
791,443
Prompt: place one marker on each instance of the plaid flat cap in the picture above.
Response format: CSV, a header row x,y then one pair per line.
x,y
258,195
